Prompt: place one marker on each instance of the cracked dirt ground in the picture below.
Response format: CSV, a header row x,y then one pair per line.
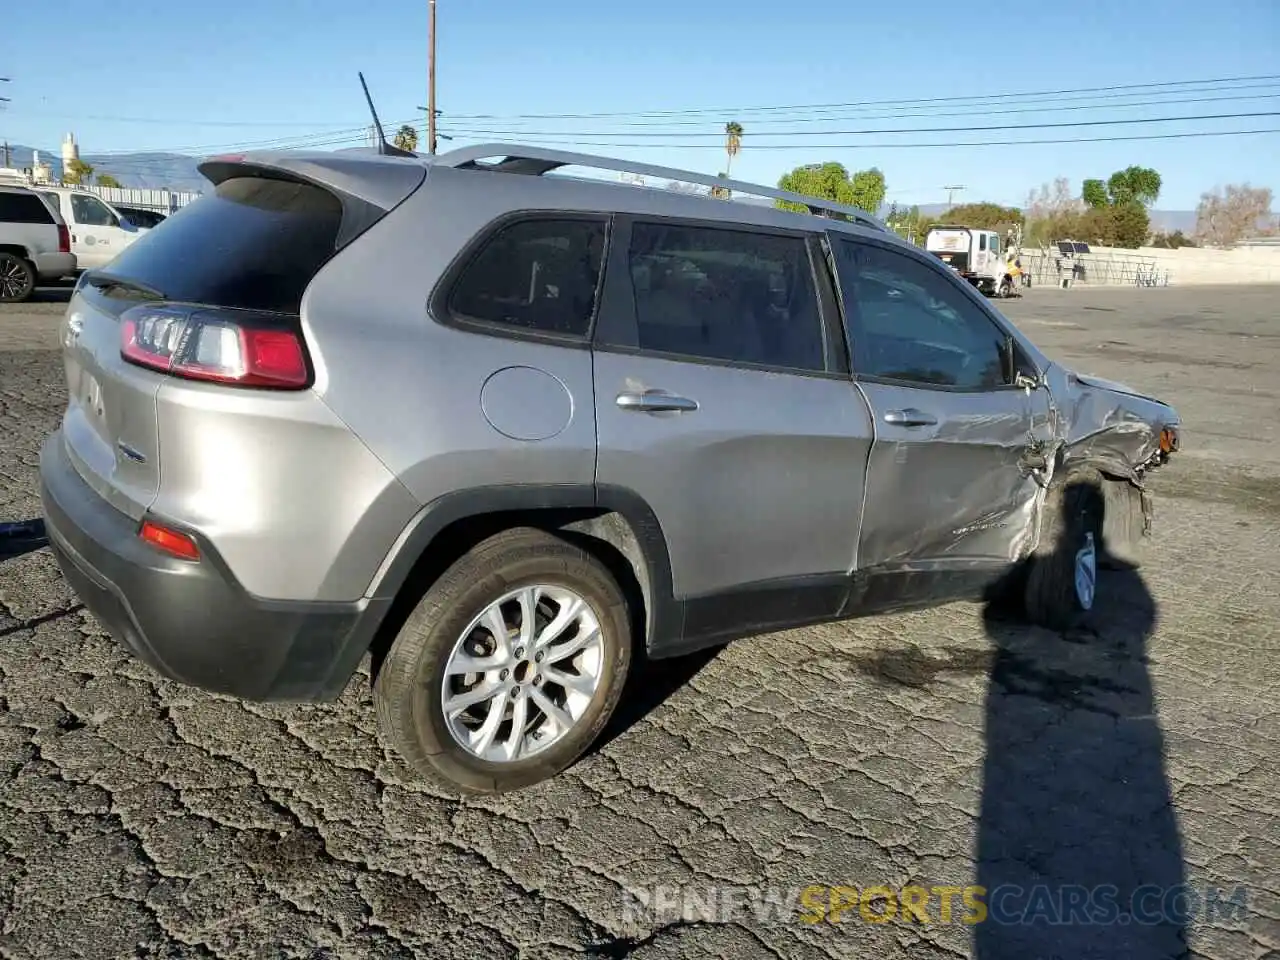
x,y
142,818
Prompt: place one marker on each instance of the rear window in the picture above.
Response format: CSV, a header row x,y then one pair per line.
x,y
21,206
254,244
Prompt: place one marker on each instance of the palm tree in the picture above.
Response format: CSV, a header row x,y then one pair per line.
x,y
406,138
732,142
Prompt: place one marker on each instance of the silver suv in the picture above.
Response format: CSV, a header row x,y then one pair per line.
x,y
507,430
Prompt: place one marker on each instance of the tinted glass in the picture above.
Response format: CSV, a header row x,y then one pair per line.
x,y
995,244
910,322
536,275
725,295
254,243
22,207
91,212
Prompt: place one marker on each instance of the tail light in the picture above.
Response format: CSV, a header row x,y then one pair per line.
x,y
173,542
233,347
64,239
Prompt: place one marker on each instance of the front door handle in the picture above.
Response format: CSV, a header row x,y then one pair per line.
x,y
656,401
910,417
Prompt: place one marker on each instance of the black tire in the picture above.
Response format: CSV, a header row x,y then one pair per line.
x,y
408,687
1006,288
17,278
1124,530
1073,514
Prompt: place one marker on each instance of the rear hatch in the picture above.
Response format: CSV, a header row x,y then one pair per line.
x,y
226,273
951,247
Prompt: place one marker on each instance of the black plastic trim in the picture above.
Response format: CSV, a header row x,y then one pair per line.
x,y
665,617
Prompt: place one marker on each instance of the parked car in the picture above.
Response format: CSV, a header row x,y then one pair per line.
x,y
98,231
142,216
506,432
35,245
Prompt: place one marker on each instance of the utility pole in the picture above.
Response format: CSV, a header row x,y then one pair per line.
x,y
950,191
431,81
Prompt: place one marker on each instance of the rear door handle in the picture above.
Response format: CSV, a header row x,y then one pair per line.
x,y
910,417
655,401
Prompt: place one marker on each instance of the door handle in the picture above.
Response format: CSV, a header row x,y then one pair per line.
x,y
656,401
910,417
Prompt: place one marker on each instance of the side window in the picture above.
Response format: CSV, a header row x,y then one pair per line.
x,y
995,244
725,294
909,323
22,207
537,275
982,241
91,211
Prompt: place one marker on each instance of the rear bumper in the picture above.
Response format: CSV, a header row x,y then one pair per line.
x,y
52,266
192,621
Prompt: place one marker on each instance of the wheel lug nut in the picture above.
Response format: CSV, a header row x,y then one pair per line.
x,y
538,679
515,693
538,657
519,652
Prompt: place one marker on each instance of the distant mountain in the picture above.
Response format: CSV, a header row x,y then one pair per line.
x,y
173,170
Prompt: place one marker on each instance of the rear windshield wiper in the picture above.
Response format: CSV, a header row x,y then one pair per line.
x,y
108,283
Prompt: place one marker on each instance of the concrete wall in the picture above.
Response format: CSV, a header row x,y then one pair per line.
x,y
1182,267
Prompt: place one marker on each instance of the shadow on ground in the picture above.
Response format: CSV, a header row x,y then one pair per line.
x,y
1078,846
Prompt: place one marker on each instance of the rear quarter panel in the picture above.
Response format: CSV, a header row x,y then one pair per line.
x,y
411,387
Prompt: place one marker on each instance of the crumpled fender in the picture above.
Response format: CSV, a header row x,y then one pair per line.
x,y
1108,425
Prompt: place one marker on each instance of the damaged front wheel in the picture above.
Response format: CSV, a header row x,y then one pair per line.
x,y
1061,585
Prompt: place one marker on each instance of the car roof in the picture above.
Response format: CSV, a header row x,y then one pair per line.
x,y
385,179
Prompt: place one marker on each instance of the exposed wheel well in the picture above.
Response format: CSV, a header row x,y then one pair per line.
x,y
16,250
605,534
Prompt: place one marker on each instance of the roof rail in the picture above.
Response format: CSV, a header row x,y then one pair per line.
x,y
536,161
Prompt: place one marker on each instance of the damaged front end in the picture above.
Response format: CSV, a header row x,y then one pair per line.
x,y
1112,427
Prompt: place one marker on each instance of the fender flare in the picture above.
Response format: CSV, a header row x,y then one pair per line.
x,y
664,617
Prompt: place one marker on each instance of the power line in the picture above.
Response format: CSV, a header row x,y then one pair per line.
x,y
1062,124
958,110
354,135
858,103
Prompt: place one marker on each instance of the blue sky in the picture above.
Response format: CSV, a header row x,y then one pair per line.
x,y
151,74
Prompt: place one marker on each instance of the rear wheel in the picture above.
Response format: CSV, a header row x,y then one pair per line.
x,y
1062,578
1006,288
17,278
509,667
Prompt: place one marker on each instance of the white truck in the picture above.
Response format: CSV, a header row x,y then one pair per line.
x,y
98,230
974,254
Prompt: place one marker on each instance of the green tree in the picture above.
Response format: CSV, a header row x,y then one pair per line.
x,y
732,142
984,216
107,180
1095,193
406,138
1134,185
831,181
77,172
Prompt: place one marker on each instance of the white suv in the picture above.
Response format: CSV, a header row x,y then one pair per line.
x,y
34,243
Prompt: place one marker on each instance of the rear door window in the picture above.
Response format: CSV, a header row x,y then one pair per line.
x,y
726,294
254,243
20,206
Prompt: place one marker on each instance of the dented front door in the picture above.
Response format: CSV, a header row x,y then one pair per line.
x,y
951,475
